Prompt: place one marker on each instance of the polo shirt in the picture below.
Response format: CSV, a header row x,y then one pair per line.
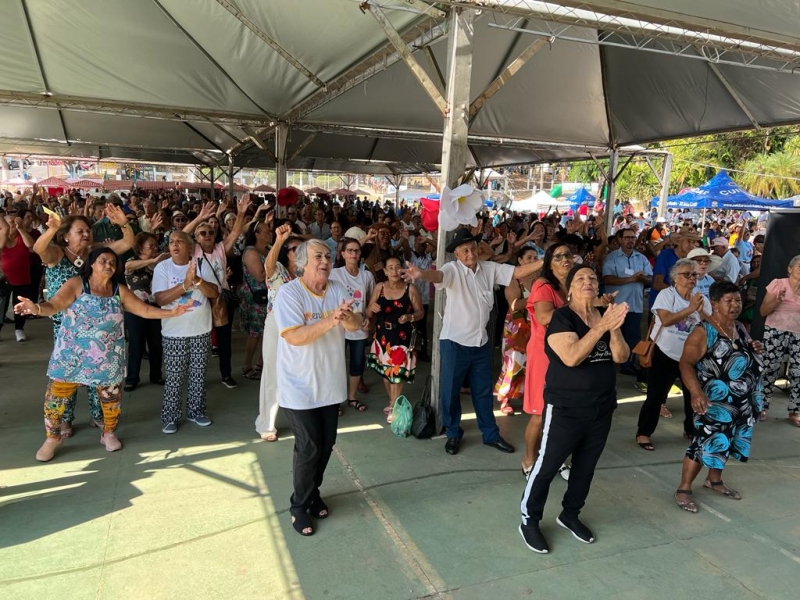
x,y
619,264
470,297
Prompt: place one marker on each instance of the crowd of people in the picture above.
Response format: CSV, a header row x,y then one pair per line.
x,y
323,290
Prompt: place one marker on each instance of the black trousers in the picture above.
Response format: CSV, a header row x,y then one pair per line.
x,y
26,291
141,330
663,374
581,432
314,436
224,344
422,327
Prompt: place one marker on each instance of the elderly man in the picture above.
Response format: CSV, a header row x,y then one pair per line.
x,y
685,240
626,271
729,269
319,229
464,342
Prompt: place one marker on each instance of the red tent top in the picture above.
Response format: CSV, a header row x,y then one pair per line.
x,y
85,183
53,182
318,191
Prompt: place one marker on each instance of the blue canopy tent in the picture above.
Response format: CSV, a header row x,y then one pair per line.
x,y
722,193
579,197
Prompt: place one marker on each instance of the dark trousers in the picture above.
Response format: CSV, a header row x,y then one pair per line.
x,y
139,331
632,332
422,327
26,291
224,345
314,436
473,364
663,374
581,432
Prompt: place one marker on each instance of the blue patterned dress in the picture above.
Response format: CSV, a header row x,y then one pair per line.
x,y
54,278
730,375
90,344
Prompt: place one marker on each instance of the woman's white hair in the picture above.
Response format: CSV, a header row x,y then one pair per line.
x,y
301,254
794,261
682,262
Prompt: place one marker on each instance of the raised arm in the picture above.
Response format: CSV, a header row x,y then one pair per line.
x,y
147,311
209,210
238,225
116,215
49,252
64,297
412,273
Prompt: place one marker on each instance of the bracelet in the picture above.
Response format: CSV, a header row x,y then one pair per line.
x,y
38,309
185,289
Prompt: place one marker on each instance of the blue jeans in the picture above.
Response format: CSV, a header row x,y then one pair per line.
x,y
458,362
632,332
358,356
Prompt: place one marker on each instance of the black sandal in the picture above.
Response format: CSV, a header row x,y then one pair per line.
x,y
645,445
359,406
727,492
341,409
302,522
319,510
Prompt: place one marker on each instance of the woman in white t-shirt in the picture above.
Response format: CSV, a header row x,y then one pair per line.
x,y
187,338
312,314
279,268
677,311
359,283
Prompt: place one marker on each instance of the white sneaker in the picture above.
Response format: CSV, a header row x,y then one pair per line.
x,y
21,337
564,472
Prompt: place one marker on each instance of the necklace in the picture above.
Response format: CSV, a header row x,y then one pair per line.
x,y
721,329
78,262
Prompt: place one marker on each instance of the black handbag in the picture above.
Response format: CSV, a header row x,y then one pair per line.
x,y
259,296
423,420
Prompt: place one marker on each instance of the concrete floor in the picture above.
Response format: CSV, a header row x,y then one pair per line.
x,y
203,514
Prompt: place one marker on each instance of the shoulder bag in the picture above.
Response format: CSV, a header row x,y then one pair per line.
x,y
423,420
219,311
645,348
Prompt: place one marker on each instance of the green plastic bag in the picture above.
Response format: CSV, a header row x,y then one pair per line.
x,y
402,415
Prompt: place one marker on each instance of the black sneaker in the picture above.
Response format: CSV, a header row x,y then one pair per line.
x,y
229,382
533,538
578,530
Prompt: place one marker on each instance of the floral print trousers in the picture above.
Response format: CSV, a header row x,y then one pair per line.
x,y
777,345
57,398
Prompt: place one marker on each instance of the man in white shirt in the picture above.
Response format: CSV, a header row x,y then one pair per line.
x,y
729,269
464,341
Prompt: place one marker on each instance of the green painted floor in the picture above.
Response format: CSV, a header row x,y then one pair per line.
x,y
203,514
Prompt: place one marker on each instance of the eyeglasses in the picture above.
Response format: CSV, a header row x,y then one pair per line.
x,y
702,260
205,233
179,220
563,256
689,275
352,250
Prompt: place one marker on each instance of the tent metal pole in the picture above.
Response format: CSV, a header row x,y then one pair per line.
x,y
454,153
230,176
211,180
611,181
665,175
703,223
281,136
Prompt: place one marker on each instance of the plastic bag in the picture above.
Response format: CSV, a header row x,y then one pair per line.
x,y
401,417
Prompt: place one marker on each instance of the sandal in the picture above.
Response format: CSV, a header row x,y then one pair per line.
x,y
341,409
664,412
387,409
258,368
527,471
762,416
251,374
648,445
269,437
319,510
66,430
725,491
687,505
302,524
795,419
389,418
359,406
507,409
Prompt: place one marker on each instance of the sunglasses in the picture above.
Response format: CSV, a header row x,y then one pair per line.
x,y
563,256
205,233
689,275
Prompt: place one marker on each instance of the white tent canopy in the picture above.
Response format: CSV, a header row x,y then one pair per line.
x,y
190,80
539,202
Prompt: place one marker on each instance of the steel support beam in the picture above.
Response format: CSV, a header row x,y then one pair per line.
x,y
132,109
611,185
507,73
441,84
230,176
735,95
242,18
303,145
454,152
666,171
281,137
419,73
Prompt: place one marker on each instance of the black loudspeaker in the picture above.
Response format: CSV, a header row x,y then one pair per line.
x,y
782,243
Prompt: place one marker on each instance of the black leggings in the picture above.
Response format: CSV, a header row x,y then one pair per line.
x,y
663,374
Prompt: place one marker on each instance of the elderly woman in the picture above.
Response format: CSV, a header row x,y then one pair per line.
x,y
359,283
722,370
705,262
312,314
510,385
186,339
582,344
257,241
280,268
394,306
90,345
139,277
781,307
677,310
64,248
216,253
548,293
15,242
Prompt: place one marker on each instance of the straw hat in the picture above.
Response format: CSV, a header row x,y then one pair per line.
x,y
716,261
